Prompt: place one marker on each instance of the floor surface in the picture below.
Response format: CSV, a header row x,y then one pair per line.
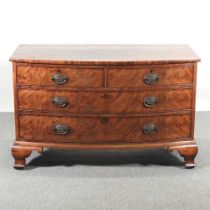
x,y
105,180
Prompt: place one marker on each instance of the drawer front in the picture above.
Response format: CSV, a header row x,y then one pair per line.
x,y
145,77
101,102
60,77
112,129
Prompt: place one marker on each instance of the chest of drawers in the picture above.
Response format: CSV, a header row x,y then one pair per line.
x,y
104,97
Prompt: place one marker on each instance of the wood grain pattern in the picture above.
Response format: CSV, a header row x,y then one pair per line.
x,y
170,128
77,77
125,77
104,54
104,145
104,102
105,90
16,117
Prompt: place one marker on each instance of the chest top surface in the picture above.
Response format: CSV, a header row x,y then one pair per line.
x,y
104,54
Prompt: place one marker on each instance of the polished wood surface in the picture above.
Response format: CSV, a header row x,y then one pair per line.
x,y
87,102
77,77
112,129
104,97
168,75
104,54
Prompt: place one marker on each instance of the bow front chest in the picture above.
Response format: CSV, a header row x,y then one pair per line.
x,y
104,97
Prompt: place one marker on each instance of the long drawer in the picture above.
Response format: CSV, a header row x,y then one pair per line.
x,y
104,102
111,129
60,76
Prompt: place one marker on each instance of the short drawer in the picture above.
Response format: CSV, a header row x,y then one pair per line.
x,y
104,102
60,76
145,77
110,129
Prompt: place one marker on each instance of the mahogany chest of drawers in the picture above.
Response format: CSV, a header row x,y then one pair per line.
x,y
104,97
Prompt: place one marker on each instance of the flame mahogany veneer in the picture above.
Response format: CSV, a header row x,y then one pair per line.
x,y
104,97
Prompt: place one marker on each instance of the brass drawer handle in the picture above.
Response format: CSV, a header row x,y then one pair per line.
x,y
59,79
150,101
61,129
151,78
149,129
59,101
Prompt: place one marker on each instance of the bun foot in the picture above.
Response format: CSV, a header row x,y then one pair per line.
x,y
188,152
20,153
